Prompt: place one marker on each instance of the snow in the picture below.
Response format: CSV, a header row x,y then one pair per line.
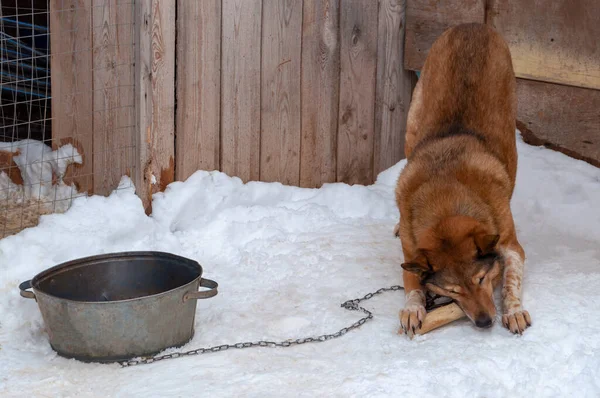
x,y
285,258
38,164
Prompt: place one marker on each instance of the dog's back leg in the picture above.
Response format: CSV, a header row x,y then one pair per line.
x,y
414,115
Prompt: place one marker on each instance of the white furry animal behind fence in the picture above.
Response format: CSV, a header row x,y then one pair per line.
x,y
43,189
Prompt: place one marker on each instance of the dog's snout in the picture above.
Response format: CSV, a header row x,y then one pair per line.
x,y
483,321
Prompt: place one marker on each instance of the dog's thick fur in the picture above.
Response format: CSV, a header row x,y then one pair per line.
x,y
456,227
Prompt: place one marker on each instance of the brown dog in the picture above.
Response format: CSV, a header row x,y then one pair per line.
x,y
456,226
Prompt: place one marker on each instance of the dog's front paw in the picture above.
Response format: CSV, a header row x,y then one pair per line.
x,y
517,321
411,319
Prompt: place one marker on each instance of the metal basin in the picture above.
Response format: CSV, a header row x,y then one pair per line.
x,y
115,307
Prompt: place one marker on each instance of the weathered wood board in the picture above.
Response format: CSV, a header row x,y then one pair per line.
x,y
560,117
394,86
72,91
320,92
155,97
426,20
358,63
114,97
240,89
551,40
198,87
280,91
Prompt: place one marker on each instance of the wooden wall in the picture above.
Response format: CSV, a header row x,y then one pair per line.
x,y
92,65
556,56
154,136
113,91
301,92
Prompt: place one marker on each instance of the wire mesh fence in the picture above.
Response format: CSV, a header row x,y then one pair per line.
x,y
67,114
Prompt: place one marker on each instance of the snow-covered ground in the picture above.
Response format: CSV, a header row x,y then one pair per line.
x,y
285,258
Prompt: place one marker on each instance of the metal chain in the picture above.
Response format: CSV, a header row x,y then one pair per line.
x,y
351,305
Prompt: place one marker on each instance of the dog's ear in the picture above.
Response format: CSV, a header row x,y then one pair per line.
x,y
418,265
486,243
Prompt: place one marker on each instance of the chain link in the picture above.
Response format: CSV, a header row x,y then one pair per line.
x,y
351,305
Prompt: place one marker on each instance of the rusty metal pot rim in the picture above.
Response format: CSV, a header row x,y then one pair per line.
x,y
85,261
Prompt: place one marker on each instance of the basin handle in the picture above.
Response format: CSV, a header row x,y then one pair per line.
x,y
212,285
24,290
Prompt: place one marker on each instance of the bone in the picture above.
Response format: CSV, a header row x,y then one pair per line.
x,y
441,316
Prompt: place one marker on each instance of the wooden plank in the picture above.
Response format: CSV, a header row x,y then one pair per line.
x,y
560,117
240,89
320,92
197,131
72,106
358,52
155,97
394,86
551,40
280,91
427,20
113,59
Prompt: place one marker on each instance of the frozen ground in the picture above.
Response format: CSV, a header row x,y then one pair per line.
x,y
285,258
